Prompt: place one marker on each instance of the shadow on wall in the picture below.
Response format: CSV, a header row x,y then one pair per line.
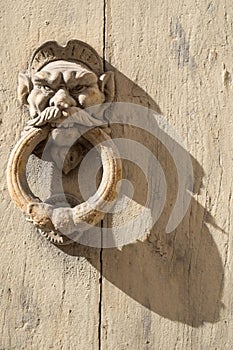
x,y
178,275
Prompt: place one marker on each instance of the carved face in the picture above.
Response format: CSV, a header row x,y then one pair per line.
x,y
62,89
61,85
64,84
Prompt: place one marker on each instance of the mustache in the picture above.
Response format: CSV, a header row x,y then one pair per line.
x,y
73,115
46,116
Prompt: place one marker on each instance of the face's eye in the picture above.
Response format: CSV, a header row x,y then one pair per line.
x,y
44,88
77,89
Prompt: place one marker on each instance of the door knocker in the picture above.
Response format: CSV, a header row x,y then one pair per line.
x,y
61,83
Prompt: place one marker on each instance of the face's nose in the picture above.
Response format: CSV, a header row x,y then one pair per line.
x,y
62,99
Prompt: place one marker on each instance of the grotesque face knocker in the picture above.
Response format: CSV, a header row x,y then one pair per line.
x,y
61,84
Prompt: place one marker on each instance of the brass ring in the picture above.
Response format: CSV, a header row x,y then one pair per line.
x,y
64,220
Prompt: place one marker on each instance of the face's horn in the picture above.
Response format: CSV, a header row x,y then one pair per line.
x,y
73,51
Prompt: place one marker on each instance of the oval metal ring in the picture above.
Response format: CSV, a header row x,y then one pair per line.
x,y
64,220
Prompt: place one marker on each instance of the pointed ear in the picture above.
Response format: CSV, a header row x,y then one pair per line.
x,y
24,88
107,85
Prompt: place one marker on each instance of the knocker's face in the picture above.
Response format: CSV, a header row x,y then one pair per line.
x,y
62,88
62,85
57,95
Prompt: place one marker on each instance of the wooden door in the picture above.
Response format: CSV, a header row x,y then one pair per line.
x,y
166,290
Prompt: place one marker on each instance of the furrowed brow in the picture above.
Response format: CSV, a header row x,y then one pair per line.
x,y
73,79
86,79
37,80
46,78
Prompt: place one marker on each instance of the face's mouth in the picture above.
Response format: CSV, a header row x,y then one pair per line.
x,y
63,120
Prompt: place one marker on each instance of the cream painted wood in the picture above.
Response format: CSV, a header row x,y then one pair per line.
x,y
49,299
170,292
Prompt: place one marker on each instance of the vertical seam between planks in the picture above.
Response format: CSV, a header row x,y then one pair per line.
x,y
100,287
101,232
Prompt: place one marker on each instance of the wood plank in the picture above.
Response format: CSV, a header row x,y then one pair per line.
x,y
174,291
49,297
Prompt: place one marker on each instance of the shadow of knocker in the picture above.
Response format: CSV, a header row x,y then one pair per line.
x,y
178,275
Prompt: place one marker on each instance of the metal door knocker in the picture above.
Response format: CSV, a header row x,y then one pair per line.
x,y
60,84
